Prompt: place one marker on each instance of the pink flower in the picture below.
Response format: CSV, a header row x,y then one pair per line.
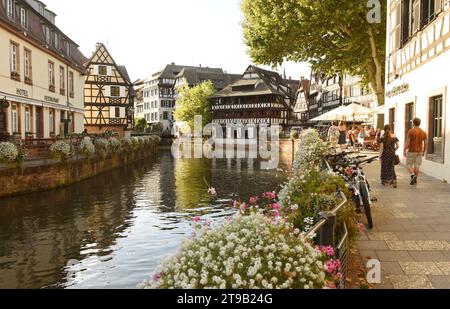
x,y
276,207
157,277
236,204
270,195
362,228
253,200
197,219
329,251
333,266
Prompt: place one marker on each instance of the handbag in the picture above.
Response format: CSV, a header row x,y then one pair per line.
x,y
396,160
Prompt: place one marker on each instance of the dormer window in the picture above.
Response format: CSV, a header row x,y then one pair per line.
x,y
47,35
41,9
24,18
56,40
10,8
67,48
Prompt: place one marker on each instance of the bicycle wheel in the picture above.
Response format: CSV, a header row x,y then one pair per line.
x,y
366,203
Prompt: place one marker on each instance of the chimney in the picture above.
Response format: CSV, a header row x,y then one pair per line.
x,y
200,65
97,45
290,77
172,63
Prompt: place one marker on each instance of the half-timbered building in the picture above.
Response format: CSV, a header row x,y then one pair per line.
x,y
108,95
417,80
259,97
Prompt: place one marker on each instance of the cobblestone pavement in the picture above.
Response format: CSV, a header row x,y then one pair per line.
x,y
411,237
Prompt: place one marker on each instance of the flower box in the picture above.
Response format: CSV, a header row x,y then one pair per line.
x,y
51,88
15,76
62,92
28,81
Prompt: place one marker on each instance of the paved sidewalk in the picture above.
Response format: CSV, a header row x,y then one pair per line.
x,y
411,237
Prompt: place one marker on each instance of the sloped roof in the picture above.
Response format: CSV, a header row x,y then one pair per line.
x,y
36,33
123,70
266,82
196,75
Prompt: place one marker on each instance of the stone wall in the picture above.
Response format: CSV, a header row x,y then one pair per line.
x,y
21,180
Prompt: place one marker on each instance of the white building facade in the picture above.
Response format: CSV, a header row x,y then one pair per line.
x,y
417,78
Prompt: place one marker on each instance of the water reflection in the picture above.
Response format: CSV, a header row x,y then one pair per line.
x,y
111,231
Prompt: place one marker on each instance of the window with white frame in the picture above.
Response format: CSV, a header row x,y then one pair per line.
x,y
62,80
436,130
14,119
24,17
27,120
27,65
71,85
51,119
51,74
14,51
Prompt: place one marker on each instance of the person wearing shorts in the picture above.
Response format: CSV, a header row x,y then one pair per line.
x,y
415,149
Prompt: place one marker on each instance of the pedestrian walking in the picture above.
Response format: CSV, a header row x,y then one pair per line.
x,y
342,134
415,149
333,134
388,146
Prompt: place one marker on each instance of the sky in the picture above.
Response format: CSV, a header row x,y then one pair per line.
x,y
144,35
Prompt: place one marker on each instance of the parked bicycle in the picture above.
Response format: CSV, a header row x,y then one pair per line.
x,y
351,169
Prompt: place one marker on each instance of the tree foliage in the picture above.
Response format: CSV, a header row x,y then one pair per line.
x,y
334,36
140,125
194,101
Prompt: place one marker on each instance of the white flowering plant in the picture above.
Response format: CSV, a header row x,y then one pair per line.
x,y
115,145
86,147
61,150
247,252
101,147
8,152
311,152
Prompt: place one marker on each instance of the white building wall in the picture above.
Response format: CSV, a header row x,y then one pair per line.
x,y
425,81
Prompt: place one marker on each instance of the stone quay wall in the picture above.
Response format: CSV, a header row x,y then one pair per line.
x,y
27,179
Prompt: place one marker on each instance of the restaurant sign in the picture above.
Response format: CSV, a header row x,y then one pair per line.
x,y
50,99
397,90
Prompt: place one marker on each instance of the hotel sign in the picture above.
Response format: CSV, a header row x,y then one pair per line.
x,y
22,92
50,99
397,90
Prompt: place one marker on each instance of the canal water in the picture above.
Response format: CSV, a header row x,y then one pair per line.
x,y
112,231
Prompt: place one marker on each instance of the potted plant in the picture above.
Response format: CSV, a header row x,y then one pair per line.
x,y
29,135
28,81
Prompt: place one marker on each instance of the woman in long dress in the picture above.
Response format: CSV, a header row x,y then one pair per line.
x,y
388,146
343,134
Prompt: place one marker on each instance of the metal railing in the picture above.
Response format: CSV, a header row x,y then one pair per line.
x,y
327,234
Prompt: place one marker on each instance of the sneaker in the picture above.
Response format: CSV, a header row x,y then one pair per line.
x,y
413,180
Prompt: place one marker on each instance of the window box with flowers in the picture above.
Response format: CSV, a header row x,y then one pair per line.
x,y
28,81
72,95
15,76
51,88
29,135
62,91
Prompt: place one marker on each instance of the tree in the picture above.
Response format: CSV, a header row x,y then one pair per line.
x,y
334,36
140,125
194,101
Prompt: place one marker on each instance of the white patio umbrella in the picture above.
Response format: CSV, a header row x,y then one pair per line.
x,y
352,112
